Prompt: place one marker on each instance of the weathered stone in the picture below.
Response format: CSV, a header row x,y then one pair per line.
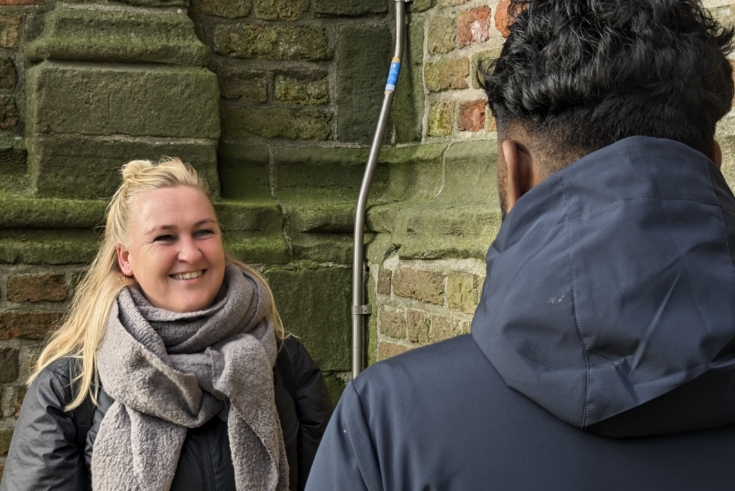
x,y
442,34
421,5
322,248
8,75
151,101
364,58
336,383
78,167
419,325
13,156
9,115
310,175
451,3
447,74
392,322
9,27
257,248
447,327
5,437
409,99
24,212
118,36
473,26
320,217
27,325
19,2
272,42
441,119
388,350
224,8
384,281
314,304
463,292
420,285
244,86
9,368
243,171
349,7
20,395
47,247
250,216
302,90
184,4
280,9
37,288
275,122
480,63
472,115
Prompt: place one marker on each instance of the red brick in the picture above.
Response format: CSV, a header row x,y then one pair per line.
x,y
447,327
9,364
393,322
9,26
384,281
473,26
502,23
388,350
27,325
447,74
472,115
420,285
37,288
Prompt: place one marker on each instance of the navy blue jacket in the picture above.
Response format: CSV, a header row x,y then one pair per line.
x,y
602,354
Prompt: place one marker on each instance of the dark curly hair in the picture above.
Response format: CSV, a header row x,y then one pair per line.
x,y
587,73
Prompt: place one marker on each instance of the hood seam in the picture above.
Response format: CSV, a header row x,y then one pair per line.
x,y
568,221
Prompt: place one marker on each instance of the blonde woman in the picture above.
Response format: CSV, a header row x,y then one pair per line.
x,y
172,370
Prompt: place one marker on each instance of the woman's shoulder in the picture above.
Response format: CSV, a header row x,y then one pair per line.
x,y
53,383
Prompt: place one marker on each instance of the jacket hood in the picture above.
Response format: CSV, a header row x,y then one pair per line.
x,y
610,292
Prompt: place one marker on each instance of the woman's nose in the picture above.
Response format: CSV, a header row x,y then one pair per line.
x,y
189,250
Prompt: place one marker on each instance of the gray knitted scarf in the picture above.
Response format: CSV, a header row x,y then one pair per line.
x,y
169,371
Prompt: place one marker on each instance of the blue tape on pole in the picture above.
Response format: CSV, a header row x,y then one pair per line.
x,y
395,70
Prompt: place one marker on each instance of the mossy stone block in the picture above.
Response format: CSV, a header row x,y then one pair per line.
x,y
314,303
243,171
230,9
250,217
257,248
362,69
53,247
89,168
336,384
137,3
273,42
321,217
477,159
280,9
51,213
349,7
13,156
119,36
323,248
239,123
421,5
152,101
409,101
8,74
327,175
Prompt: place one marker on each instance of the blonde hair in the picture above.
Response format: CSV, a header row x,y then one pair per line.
x,y
83,326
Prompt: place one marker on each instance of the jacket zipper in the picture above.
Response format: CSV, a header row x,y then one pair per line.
x,y
208,470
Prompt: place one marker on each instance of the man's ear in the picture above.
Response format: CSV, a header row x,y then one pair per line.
x,y
716,154
123,260
519,172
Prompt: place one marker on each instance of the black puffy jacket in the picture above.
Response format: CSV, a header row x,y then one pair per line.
x,y
45,453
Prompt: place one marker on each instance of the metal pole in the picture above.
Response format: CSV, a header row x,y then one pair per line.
x,y
360,309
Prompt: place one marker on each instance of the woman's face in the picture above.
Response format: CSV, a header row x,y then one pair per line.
x,y
174,249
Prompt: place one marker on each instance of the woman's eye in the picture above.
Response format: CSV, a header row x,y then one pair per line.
x,y
164,238
203,233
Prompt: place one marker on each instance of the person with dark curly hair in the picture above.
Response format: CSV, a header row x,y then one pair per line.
x,y
602,353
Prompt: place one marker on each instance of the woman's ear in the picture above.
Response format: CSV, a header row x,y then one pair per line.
x,y
123,259
716,154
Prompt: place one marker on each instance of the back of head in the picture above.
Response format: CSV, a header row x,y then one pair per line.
x,y
578,75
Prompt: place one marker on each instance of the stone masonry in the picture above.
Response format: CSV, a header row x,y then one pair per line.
x,y
275,101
